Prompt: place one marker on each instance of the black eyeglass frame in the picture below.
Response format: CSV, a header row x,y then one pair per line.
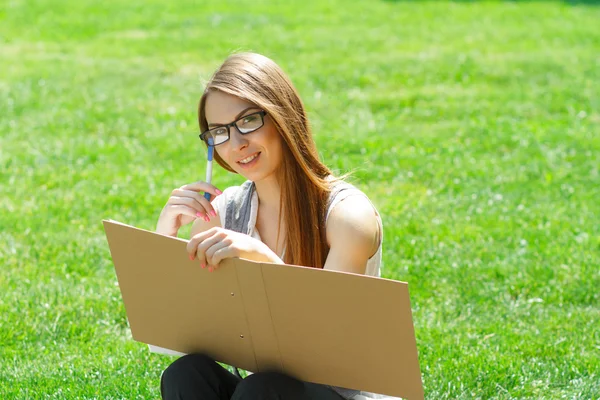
x,y
262,114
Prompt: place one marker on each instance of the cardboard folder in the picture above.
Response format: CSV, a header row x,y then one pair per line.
x,y
319,326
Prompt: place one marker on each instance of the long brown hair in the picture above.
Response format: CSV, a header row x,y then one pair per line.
x,y
303,178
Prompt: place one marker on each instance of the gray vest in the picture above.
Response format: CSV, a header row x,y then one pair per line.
x,y
237,216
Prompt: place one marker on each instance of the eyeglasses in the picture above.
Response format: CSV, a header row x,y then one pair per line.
x,y
246,124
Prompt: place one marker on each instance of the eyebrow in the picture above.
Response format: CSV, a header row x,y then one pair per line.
x,y
237,116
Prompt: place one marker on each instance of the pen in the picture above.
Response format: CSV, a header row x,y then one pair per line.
x,y
211,150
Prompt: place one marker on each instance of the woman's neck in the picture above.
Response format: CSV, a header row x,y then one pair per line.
x,y
269,194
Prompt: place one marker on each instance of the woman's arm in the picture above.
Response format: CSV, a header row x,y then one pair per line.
x,y
219,204
201,225
352,234
210,243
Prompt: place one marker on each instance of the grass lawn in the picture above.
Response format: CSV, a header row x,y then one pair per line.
x,y
474,127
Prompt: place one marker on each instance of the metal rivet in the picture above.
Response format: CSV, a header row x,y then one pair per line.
x,y
242,336
233,294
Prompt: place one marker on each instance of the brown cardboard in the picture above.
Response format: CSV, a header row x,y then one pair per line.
x,y
320,326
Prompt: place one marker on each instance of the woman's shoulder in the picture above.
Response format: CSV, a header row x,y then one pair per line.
x,y
340,185
352,216
347,195
355,225
353,211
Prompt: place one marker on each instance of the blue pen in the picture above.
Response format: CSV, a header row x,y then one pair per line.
x,y
211,150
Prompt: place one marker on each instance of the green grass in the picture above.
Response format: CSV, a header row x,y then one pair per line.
x,y
474,127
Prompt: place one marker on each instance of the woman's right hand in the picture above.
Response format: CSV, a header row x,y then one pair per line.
x,y
185,205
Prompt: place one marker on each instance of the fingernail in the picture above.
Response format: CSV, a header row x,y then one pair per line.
x,y
210,269
202,265
218,191
199,214
191,257
206,218
213,213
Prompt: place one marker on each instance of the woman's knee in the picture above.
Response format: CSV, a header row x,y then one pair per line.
x,y
186,367
266,385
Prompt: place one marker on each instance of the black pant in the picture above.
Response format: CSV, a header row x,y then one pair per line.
x,y
197,376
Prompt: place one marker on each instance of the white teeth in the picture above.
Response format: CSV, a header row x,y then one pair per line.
x,y
247,160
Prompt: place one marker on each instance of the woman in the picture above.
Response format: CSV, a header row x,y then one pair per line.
x,y
291,210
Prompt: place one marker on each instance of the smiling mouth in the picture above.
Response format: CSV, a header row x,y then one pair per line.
x,y
249,159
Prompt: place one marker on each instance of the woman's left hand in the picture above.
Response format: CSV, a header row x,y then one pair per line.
x,y
216,244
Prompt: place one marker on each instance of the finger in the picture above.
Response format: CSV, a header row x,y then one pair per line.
x,y
203,246
192,245
201,200
222,254
214,233
202,186
181,209
199,237
220,248
219,251
192,203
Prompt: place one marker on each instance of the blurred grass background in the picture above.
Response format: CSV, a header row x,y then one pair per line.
x,y
473,126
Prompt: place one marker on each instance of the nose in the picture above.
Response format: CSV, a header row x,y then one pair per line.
x,y
238,141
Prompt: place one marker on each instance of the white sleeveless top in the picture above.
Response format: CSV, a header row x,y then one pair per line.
x,y
340,192
234,198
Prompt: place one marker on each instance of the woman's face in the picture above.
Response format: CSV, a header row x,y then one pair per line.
x,y
256,155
